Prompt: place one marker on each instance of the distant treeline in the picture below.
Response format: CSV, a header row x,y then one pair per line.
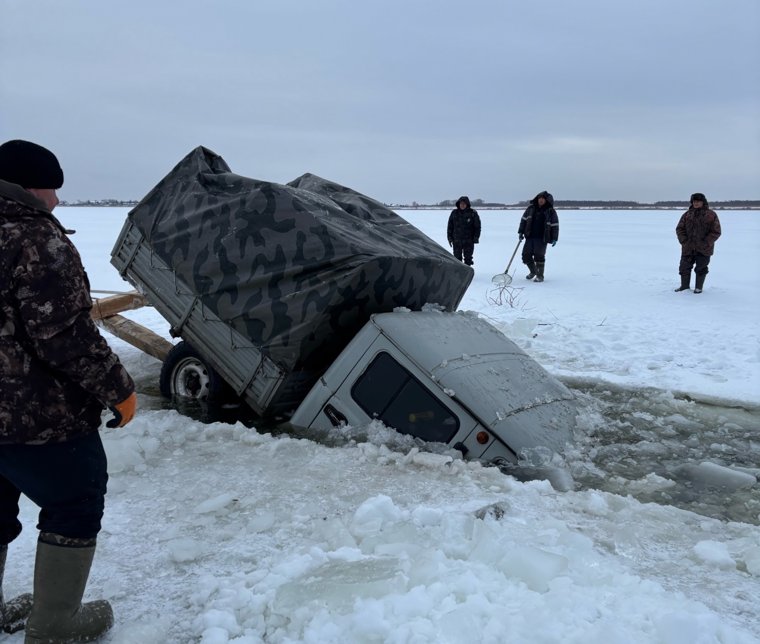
x,y
622,205
569,204
100,203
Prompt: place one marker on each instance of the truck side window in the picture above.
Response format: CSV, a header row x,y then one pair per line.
x,y
390,393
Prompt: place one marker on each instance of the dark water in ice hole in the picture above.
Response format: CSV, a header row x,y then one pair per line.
x,y
650,445
645,443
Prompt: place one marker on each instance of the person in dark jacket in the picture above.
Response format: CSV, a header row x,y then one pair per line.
x,y
539,226
697,231
463,231
57,374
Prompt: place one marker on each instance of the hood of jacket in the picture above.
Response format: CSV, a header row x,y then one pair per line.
x,y
546,195
19,202
466,200
14,192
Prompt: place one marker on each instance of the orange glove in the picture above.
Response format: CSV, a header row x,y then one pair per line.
x,y
124,411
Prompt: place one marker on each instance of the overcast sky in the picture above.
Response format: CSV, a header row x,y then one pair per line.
x,y
403,100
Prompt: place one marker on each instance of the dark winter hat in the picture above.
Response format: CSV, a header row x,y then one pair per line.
x,y
29,165
698,196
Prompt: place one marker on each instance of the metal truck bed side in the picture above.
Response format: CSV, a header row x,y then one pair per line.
x,y
252,375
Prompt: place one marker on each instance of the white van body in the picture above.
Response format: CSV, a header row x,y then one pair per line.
x,y
444,377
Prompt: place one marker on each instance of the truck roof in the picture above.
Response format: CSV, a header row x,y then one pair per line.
x,y
487,373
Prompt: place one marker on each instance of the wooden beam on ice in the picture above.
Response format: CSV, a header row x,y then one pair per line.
x,y
107,306
136,335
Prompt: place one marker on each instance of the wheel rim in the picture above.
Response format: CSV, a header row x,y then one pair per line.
x,y
190,379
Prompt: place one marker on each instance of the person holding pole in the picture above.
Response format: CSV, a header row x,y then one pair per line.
x,y
539,226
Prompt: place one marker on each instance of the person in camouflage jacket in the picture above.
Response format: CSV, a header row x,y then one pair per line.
x,y
697,231
463,230
57,374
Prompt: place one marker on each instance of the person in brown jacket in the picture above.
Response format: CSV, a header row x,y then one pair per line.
x,y
697,231
57,374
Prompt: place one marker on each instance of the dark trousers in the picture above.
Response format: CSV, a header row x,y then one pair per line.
x,y
464,249
66,480
534,251
697,260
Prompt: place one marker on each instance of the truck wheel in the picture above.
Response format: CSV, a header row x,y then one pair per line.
x,y
186,375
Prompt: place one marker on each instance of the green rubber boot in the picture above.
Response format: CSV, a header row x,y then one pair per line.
x,y
58,614
13,613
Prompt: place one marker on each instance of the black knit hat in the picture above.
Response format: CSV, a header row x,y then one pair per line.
x,y
29,165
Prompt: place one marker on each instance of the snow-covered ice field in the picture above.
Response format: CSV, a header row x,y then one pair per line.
x,y
220,533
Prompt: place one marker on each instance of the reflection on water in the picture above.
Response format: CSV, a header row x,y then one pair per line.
x,y
646,444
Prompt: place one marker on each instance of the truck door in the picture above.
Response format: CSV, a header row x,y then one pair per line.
x,y
389,392
382,383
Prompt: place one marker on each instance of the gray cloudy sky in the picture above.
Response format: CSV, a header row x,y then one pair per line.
x,y
400,99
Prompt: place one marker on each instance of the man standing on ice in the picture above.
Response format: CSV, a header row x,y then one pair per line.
x,y
463,231
539,226
57,374
697,231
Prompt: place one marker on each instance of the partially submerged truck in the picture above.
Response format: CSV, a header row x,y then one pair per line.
x,y
321,307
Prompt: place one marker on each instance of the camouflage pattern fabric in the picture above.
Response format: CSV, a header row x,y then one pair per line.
x,y
298,268
697,230
56,371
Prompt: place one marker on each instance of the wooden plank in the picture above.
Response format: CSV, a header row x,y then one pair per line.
x,y
104,307
137,335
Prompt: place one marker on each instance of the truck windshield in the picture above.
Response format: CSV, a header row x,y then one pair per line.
x,y
388,392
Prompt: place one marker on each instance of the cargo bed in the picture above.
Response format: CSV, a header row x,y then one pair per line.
x,y
253,377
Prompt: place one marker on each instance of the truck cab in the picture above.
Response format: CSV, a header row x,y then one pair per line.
x,y
446,377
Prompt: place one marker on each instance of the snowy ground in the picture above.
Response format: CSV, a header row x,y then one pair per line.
x,y
218,533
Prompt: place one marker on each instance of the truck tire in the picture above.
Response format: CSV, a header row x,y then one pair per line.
x,y
185,374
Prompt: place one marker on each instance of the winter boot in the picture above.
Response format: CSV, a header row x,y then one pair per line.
x,y
539,271
532,269
685,279
12,613
58,614
699,283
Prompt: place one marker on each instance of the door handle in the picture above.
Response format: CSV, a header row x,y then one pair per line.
x,y
336,418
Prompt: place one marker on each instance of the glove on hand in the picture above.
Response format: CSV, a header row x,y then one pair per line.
x,y
521,236
554,243
477,241
450,244
123,412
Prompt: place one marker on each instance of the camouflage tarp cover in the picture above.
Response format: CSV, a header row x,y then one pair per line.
x,y
296,268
